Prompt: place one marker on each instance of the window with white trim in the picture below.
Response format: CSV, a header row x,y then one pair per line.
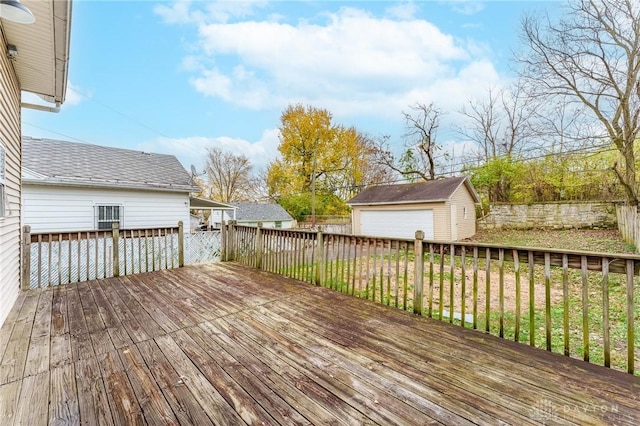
x,y
107,215
3,191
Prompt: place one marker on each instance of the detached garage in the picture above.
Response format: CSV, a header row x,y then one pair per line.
x,y
443,209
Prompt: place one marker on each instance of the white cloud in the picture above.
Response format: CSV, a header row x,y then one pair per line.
x,y
353,63
222,11
193,150
403,11
466,7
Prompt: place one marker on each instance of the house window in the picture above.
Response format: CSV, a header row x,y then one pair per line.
x,y
464,212
3,193
278,224
108,215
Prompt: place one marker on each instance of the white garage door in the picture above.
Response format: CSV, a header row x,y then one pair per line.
x,y
397,224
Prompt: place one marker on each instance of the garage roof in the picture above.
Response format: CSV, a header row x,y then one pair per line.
x,y
438,190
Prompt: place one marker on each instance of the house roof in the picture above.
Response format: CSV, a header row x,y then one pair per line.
x,y
254,212
439,190
202,203
42,63
48,161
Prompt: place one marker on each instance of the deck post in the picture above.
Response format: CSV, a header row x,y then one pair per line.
x,y
26,257
259,246
180,244
223,240
231,240
115,233
418,273
319,257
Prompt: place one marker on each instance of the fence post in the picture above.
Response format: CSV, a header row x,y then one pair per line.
x,y
418,273
115,233
319,257
223,240
26,257
231,240
259,246
180,244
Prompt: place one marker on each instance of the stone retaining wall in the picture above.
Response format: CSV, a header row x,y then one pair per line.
x,y
550,216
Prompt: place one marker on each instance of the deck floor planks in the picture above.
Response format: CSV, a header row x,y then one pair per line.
x,y
125,317
15,354
350,387
277,407
93,402
377,375
237,397
185,407
155,408
271,374
39,345
495,360
63,407
330,395
148,322
33,405
483,381
455,392
226,344
59,314
205,393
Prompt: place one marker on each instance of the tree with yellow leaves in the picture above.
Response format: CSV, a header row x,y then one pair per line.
x,y
321,164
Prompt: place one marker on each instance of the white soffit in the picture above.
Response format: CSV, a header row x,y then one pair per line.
x,y
43,48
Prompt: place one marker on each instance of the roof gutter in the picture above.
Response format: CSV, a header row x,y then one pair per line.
x,y
55,109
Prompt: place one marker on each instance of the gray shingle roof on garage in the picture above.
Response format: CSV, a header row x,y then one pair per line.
x,y
71,163
431,191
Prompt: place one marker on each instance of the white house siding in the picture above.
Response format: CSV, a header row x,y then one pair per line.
x,y
50,208
463,200
216,216
10,225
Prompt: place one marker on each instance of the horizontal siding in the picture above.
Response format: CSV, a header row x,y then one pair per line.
x,y
59,208
462,199
10,225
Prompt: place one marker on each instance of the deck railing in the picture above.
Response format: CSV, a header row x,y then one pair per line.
x,y
67,257
579,304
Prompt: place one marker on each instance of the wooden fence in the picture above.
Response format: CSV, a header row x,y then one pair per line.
x,y
579,304
628,224
66,257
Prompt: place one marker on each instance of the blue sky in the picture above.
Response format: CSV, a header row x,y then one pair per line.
x,y
178,77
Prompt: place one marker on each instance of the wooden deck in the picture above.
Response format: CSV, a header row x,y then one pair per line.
x,y
224,344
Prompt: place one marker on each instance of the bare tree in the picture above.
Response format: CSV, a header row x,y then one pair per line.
x,y
500,125
419,160
592,57
228,176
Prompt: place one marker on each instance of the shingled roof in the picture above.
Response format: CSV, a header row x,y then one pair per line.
x,y
51,161
431,191
255,212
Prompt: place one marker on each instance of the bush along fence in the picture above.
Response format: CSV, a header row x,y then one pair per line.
x,y
67,257
580,304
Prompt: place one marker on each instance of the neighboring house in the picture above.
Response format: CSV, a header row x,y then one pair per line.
x,y
70,186
34,58
271,215
444,209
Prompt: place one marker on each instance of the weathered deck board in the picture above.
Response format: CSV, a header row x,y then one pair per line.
x,y
224,344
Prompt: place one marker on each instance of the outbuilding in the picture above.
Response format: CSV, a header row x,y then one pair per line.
x,y
444,209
